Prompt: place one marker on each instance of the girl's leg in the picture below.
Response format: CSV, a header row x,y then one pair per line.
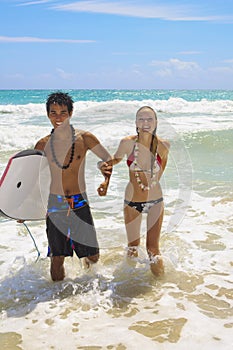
x,y
154,224
132,224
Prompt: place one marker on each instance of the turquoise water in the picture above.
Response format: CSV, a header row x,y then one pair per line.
x,y
191,306
39,96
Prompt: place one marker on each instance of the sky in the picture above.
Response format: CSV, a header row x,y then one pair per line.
x,y
116,44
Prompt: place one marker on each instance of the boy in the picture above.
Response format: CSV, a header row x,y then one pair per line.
x,y
69,223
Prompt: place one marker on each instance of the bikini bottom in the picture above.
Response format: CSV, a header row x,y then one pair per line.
x,y
143,207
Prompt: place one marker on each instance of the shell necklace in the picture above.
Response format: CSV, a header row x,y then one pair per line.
x,y
62,166
156,168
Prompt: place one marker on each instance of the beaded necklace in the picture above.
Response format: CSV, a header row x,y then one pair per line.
x,y
156,168
71,152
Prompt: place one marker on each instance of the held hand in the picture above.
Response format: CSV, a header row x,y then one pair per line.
x,y
105,168
102,189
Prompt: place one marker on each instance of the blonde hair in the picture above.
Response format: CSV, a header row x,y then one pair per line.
x,y
148,107
154,140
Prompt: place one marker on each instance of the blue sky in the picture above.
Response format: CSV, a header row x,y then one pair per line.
x,y
116,44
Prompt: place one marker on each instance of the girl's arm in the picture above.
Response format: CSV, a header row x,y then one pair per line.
x,y
106,169
163,150
105,166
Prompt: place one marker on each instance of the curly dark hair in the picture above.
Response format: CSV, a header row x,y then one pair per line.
x,y
61,98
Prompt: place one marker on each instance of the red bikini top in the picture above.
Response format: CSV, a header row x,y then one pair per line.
x,y
131,158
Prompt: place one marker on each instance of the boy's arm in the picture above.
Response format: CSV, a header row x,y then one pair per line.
x,y
93,144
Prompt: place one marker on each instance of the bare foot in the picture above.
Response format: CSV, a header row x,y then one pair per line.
x,y
156,265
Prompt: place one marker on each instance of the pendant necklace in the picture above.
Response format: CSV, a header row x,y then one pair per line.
x,y
66,166
156,168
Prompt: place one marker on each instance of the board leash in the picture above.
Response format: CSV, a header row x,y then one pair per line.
x,y
33,239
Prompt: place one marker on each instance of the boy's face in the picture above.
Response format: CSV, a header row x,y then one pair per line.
x,y
58,114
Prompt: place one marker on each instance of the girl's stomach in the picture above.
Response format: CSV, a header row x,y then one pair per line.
x,y
135,193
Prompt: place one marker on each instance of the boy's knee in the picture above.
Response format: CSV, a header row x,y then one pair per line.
x,y
93,259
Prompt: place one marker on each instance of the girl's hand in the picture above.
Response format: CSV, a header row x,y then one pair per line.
x,y
105,168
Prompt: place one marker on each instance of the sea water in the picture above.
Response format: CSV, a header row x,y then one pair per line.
x,y
118,304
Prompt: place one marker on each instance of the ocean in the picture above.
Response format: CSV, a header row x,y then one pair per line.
x,y
119,304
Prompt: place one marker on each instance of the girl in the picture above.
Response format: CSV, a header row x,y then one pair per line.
x,y
146,159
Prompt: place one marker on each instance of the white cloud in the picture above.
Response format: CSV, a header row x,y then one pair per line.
x,y
226,69
64,75
228,61
175,67
174,12
189,52
38,2
28,39
136,69
222,70
16,76
182,65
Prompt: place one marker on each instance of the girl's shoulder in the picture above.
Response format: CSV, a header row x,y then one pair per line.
x,y
163,142
125,146
129,138
163,146
128,141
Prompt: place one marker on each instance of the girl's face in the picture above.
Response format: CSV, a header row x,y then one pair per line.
x,y
146,120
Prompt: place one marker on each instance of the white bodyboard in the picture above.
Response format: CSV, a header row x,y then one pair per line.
x,y
24,186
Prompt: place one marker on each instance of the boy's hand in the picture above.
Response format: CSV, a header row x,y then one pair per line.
x,y
102,189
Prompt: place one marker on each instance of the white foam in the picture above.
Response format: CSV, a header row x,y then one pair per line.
x,y
116,297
